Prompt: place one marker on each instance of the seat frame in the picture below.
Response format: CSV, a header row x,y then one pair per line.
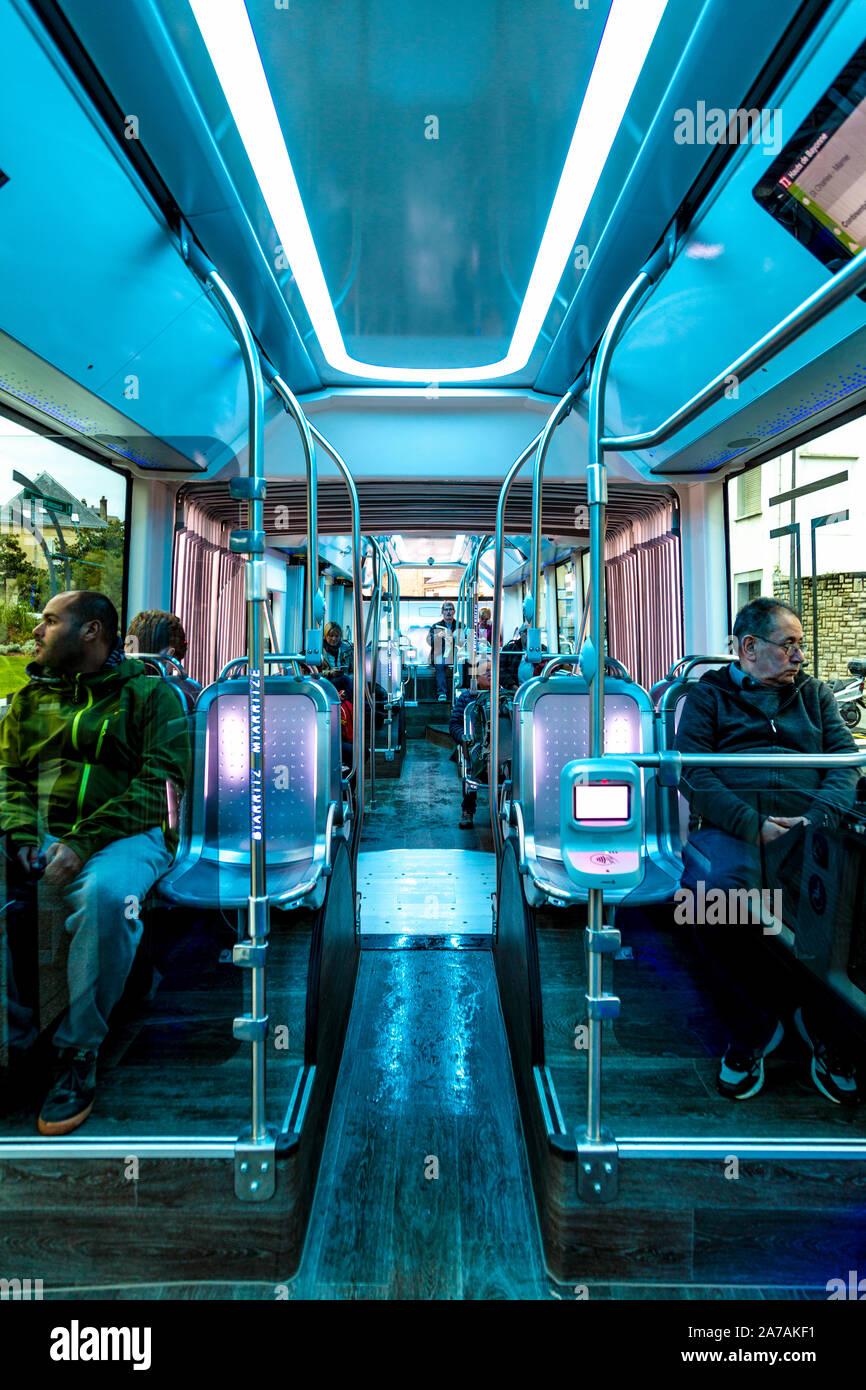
x,y
546,877
310,891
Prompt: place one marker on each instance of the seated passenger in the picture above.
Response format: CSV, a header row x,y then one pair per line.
x,y
510,658
455,728
752,837
86,750
161,634
337,654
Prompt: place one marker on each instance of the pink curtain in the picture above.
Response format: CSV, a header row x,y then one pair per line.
x,y
208,594
644,597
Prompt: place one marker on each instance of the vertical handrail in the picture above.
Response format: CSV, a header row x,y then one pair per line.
x,y
592,663
484,544
493,776
253,1027
374,614
532,602
358,663
313,602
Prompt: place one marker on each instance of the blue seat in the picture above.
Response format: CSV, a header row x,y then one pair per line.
x,y
551,728
302,796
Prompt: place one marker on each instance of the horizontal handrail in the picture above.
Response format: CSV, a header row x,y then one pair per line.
x,y
846,283
573,659
820,760
690,662
269,659
159,659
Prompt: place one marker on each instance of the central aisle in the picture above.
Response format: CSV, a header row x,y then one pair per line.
x,y
424,1188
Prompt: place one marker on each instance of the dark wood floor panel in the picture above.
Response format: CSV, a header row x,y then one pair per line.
x,y
806,1243
422,809
776,1223
424,1191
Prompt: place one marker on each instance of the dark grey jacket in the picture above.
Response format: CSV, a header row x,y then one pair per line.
x,y
720,717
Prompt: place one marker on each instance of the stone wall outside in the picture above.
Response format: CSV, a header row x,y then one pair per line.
x,y
841,619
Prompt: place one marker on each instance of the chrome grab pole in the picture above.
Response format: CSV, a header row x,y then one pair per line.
x,y
560,411
358,664
532,602
498,565
374,614
592,669
314,604
252,1027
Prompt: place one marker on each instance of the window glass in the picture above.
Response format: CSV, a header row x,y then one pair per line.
x,y
62,526
803,543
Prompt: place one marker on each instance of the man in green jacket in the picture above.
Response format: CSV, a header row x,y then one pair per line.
x,y
87,749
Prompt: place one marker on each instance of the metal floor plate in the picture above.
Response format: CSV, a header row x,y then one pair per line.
x,y
426,892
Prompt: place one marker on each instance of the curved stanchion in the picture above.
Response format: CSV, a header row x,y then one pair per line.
x,y
314,605
358,665
254,1170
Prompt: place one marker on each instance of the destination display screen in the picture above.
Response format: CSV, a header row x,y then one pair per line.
x,y
594,801
816,187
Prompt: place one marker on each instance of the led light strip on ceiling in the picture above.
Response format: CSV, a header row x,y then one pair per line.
x,y
628,34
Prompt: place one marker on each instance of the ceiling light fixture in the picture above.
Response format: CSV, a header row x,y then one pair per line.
x,y
629,32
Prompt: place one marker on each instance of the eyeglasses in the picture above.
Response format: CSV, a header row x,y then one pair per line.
x,y
788,647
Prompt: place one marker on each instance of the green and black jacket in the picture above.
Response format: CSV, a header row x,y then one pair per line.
x,y
87,758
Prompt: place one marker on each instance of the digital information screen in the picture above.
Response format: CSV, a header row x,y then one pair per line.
x,y
594,801
816,188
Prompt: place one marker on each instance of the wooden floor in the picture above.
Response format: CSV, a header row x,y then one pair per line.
x,y
661,1055
771,1225
171,1065
424,1189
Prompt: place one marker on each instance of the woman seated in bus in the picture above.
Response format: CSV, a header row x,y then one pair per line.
x,y
161,634
754,823
337,654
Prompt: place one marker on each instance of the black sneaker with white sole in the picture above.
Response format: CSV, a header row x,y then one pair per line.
x,y
741,1073
833,1073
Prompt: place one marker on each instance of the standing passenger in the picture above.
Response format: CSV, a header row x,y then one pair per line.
x,y
441,640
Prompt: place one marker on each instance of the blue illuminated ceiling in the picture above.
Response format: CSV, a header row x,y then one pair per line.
x,y
427,244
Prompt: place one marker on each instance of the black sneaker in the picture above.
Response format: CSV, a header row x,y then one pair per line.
x,y
834,1074
73,1090
741,1074
466,822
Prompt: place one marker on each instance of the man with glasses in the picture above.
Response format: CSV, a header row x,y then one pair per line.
x,y
752,831
441,639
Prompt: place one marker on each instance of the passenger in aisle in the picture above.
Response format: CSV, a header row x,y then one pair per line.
x,y
752,833
86,751
442,639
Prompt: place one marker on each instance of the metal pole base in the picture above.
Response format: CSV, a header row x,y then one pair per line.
x,y
255,1168
597,1167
